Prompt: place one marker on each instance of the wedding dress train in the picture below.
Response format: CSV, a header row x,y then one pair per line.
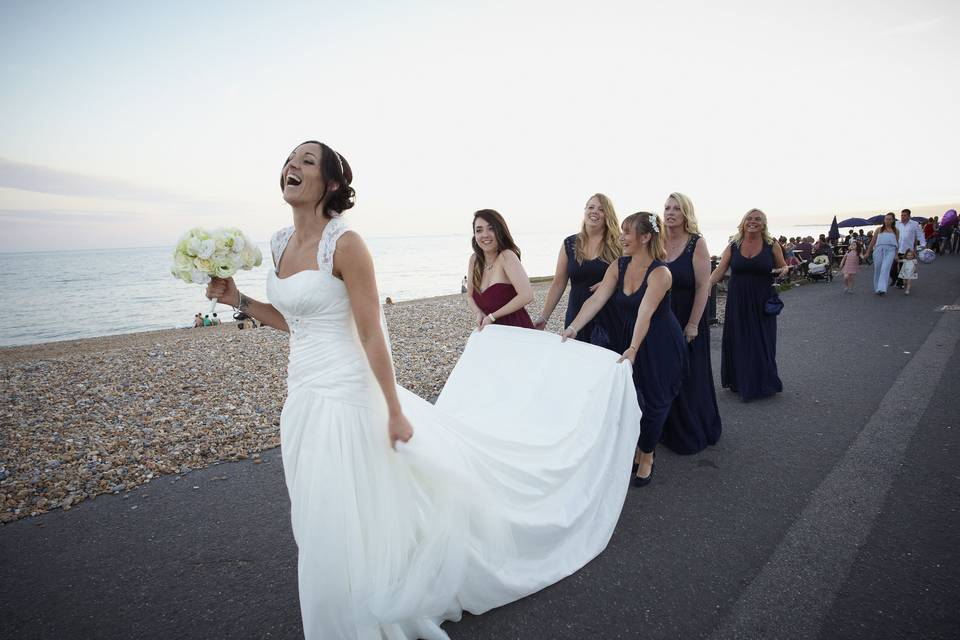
x,y
512,481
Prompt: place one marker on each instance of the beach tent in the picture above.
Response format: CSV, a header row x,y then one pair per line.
x,y
834,233
853,222
877,219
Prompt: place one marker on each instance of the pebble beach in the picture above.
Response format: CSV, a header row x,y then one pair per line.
x,y
104,415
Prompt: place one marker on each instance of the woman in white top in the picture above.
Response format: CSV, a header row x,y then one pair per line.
x,y
884,245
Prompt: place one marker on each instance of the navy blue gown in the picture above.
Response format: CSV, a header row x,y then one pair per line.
x,y
582,277
748,363
661,359
694,419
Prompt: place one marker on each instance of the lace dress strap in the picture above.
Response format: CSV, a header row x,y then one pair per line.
x,y
278,243
692,242
328,243
570,247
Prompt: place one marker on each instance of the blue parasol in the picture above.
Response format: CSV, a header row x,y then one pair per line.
x,y
877,219
834,233
853,222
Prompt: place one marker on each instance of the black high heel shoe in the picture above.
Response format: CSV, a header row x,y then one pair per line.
x,y
642,482
636,465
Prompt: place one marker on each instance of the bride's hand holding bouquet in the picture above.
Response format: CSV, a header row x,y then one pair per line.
x,y
211,258
224,290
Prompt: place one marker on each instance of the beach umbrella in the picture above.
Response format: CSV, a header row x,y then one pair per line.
x,y
877,219
949,218
853,222
834,233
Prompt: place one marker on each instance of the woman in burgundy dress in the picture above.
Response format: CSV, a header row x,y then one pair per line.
x,y
498,288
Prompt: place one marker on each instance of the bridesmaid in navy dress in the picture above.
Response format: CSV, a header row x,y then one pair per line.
x,y
748,362
641,326
498,289
694,419
583,260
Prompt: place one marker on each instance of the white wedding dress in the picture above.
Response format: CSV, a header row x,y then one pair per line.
x,y
512,481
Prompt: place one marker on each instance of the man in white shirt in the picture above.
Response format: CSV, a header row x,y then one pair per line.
x,y
910,234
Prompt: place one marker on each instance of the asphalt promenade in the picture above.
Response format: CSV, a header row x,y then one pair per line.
x,y
829,511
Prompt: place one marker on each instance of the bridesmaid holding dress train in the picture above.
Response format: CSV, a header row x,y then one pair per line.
x,y
499,289
640,325
583,260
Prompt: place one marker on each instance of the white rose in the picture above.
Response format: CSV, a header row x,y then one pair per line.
x,y
207,247
224,266
203,264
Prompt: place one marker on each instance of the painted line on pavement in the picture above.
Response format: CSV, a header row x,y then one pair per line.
x,y
795,589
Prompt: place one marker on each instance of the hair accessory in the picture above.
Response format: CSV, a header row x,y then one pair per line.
x,y
653,223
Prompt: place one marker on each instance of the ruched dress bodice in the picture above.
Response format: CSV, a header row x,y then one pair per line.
x,y
326,356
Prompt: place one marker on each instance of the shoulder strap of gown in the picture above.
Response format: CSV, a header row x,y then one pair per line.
x,y
650,267
278,242
692,242
328,243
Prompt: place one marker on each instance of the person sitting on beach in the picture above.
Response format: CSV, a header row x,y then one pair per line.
x,y
206,320
215,320
197,320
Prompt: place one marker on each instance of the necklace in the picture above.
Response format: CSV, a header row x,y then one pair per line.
x,y
489,268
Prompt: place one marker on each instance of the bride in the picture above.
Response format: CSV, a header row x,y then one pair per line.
x,y
406,513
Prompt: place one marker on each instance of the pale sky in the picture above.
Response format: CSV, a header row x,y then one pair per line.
x,y
125,123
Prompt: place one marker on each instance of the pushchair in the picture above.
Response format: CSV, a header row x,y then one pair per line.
x,y
819,269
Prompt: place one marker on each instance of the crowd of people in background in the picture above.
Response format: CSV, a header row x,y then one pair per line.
x,y
896,248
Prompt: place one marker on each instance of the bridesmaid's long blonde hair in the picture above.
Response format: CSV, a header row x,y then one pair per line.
x,y
742,228
689,217
611,249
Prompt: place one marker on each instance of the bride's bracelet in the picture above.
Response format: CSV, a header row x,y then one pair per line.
x,y
243,302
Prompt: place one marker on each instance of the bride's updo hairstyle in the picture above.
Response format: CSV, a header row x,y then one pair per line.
x,y
333,168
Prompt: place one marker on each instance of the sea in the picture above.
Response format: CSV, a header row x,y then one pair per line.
x,y
65,295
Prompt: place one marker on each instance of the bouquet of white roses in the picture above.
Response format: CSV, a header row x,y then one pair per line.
x,y
201,255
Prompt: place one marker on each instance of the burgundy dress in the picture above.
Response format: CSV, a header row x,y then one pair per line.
x,y
497,295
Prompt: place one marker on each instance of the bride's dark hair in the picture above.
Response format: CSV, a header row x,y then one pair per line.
x,y
333,167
